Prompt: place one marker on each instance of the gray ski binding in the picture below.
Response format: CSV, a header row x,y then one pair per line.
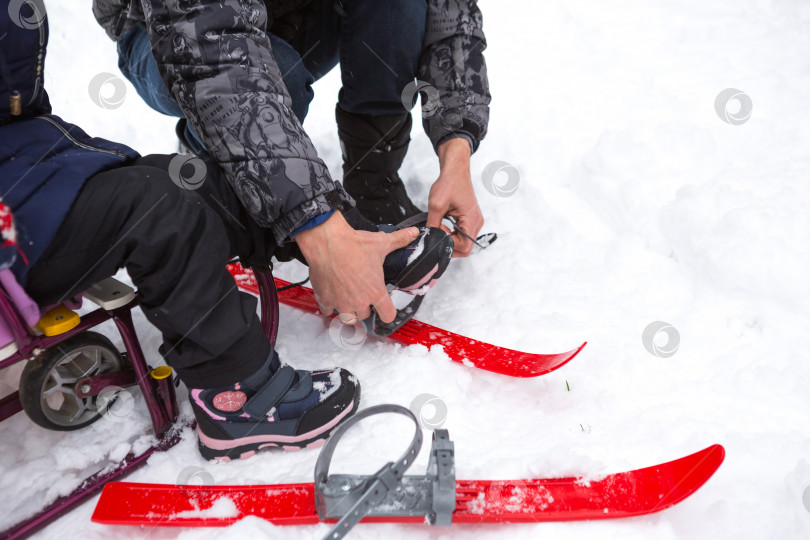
x,y
388,492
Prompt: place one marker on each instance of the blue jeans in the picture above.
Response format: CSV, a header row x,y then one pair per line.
x,y
136,62
377,44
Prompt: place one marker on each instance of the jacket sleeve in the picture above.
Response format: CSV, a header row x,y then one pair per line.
x,y
452,62
116,16
215,58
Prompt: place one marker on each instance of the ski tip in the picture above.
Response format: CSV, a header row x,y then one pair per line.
x,y
713,456
710,458
570,355
691,472
719,450
550,362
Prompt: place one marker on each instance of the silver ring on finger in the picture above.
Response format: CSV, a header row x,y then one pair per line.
x,y
348,318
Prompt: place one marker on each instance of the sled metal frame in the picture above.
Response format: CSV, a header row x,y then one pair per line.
x,y
158,394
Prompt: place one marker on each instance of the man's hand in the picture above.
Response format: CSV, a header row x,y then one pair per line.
x,y
346,266
452,194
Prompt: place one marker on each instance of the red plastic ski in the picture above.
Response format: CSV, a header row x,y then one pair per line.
x,y
620,495
467,351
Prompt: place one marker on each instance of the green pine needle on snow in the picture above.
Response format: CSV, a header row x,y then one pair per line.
x,y
567,387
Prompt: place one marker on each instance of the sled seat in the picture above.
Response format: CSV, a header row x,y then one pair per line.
x,y
110,294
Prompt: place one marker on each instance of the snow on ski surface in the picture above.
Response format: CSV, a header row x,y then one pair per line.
x,y
224,507
636,204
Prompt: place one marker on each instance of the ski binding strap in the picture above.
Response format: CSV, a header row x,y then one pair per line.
x,y
388,492
382,329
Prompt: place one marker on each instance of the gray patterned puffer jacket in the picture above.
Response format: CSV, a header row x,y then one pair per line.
x,y
218,65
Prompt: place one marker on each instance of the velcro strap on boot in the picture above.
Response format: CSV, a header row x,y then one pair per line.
x,y
269,395
300,390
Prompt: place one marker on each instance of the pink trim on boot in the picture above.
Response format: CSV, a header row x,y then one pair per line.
x,y
219,444
195,395
422,281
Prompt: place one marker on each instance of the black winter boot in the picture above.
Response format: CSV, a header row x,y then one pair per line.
x,y
373,150
277,406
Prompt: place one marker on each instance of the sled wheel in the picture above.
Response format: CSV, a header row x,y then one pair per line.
x,y
47,384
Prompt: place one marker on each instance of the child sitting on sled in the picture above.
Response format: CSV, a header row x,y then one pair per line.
x,y
85,207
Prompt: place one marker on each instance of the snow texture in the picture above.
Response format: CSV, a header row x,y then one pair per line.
x,y
223,507
417,251
636,203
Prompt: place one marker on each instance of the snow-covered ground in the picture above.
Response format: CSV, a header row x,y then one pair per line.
x,y
636,204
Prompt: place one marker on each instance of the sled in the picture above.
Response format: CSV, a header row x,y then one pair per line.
x,y
71,373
